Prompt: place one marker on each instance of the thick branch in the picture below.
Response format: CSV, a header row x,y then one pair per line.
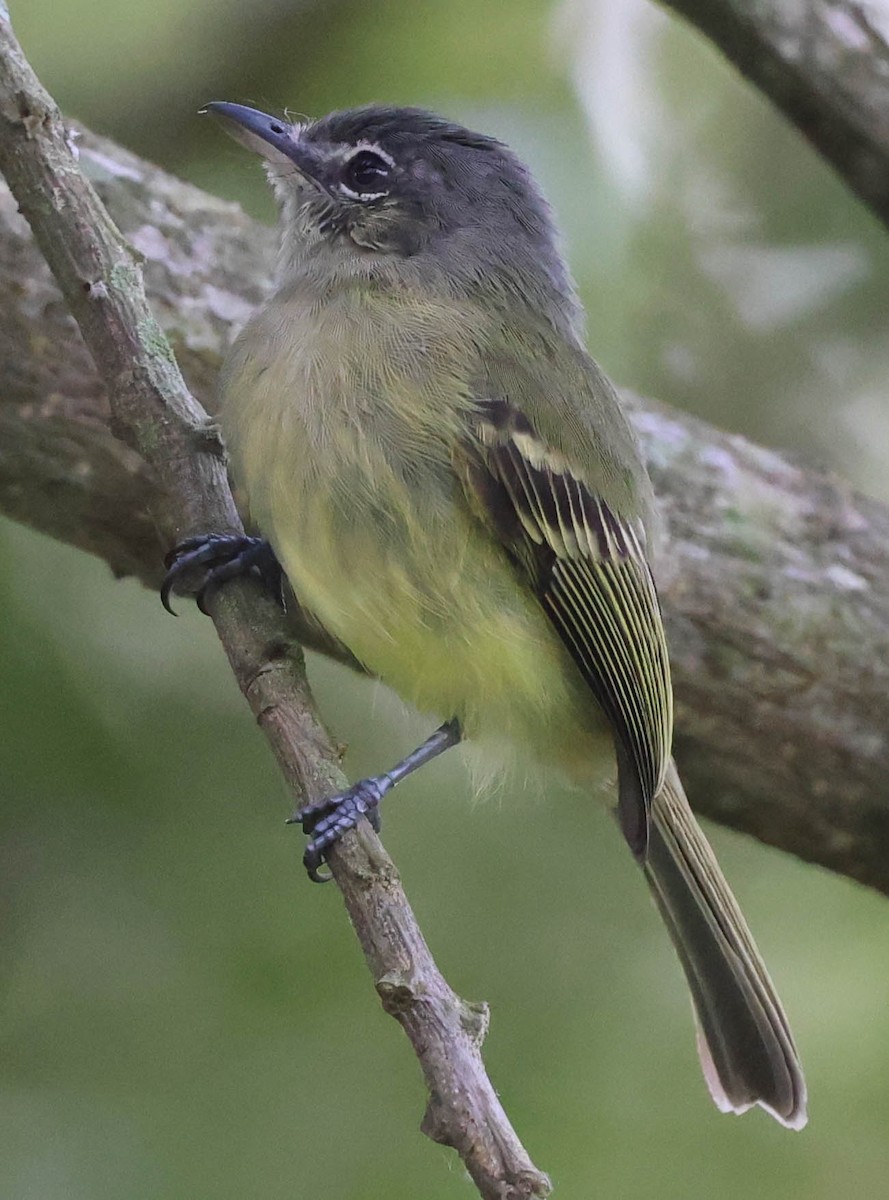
x,y
778,616
825,65
778,608
175,467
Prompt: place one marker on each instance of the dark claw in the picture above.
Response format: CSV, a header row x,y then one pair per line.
x,y
312,861
327,820
216,558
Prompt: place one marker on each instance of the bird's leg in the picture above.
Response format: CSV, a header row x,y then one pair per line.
x,y
213,558
327,820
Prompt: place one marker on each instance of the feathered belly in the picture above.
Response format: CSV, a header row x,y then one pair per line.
x,y
439,616
368,518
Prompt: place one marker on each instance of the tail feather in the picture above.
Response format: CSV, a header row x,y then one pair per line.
x,y
745,1045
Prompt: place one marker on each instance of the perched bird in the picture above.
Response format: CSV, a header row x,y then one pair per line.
x,y
448,482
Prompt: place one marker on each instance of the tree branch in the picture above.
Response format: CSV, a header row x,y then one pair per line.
x,y
174,470
778,608
825,65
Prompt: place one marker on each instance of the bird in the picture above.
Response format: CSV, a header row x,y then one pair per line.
x,y
447,480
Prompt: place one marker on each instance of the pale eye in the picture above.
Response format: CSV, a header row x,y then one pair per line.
x,y
366,172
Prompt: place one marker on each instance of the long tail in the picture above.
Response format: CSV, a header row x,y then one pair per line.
x,y
744,1042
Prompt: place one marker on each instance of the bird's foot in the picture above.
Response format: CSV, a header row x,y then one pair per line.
x,y
327,820
212,559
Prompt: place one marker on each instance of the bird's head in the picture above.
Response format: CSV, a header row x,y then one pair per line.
x,y
385,183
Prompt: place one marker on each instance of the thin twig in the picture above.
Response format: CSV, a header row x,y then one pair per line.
x,y
152,410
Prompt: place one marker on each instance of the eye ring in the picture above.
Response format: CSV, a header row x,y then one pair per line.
x,y
366,173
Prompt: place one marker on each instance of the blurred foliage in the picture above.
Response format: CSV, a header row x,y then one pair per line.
x,y
182,1014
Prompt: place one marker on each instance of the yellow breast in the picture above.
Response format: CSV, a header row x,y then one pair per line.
x,y
340,428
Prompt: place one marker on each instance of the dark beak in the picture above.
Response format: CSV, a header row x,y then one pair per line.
x,y
269,136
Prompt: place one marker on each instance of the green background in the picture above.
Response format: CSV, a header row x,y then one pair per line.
x,y
182,1014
